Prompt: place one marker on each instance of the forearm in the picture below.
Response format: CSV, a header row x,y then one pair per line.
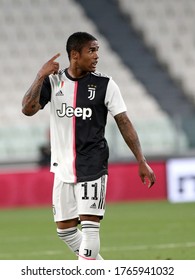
x,y
30,102
130,136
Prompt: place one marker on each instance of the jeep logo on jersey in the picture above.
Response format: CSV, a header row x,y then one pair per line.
x,y
91,90
78,112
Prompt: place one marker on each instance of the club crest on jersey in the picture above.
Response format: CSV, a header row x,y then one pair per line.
x,y
69,111
91,90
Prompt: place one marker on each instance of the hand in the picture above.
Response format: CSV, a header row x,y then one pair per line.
x,y
145,171
50,67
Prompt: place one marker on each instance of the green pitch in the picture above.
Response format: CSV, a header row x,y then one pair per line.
x,y
129,231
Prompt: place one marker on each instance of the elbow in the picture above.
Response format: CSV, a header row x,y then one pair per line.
x,y
27,112
29,109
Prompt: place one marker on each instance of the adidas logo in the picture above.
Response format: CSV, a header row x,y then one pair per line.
x,y
93,206
59,93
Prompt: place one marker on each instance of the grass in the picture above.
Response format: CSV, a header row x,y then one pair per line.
x,y
129,231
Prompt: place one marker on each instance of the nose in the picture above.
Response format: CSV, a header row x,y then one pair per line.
x,y
96,55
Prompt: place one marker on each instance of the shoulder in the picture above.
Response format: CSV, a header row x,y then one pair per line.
x,y
101,75
103,79
61,72
106,77
56,78
107,80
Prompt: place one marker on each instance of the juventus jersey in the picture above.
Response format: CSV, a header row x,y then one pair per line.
x,y
78,114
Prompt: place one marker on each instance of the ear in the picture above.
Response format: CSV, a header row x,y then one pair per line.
x,y
74,54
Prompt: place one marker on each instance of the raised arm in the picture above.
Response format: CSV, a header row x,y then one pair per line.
x,y
30,101
131,138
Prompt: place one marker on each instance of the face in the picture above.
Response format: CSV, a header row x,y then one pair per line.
x,y
87,59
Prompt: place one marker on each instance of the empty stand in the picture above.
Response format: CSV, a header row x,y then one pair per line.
x,y
168,27
33,31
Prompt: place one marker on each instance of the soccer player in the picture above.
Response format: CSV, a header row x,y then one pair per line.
x,y
80,99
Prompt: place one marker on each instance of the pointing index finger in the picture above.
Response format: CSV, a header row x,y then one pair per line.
x,y
55,57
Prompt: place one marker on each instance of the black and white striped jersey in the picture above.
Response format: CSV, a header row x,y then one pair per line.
x,y
78,115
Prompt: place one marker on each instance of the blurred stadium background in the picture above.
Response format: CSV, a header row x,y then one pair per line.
x,y
148,47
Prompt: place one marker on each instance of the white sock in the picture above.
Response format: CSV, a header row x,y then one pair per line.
x,y
72,237
90,244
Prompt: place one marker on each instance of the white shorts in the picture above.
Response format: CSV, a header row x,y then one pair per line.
x,y
84,198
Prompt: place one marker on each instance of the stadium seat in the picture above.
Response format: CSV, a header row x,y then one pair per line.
x,y
168,28
32,32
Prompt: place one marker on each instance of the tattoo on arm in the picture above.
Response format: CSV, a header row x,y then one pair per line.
x,y
130,135
30,102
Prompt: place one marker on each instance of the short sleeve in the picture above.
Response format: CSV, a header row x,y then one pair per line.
x,y
45,95
114,100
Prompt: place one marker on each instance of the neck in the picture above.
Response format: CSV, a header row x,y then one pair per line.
x,y
76,72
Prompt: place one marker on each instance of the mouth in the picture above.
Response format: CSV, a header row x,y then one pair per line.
x,y
94,64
